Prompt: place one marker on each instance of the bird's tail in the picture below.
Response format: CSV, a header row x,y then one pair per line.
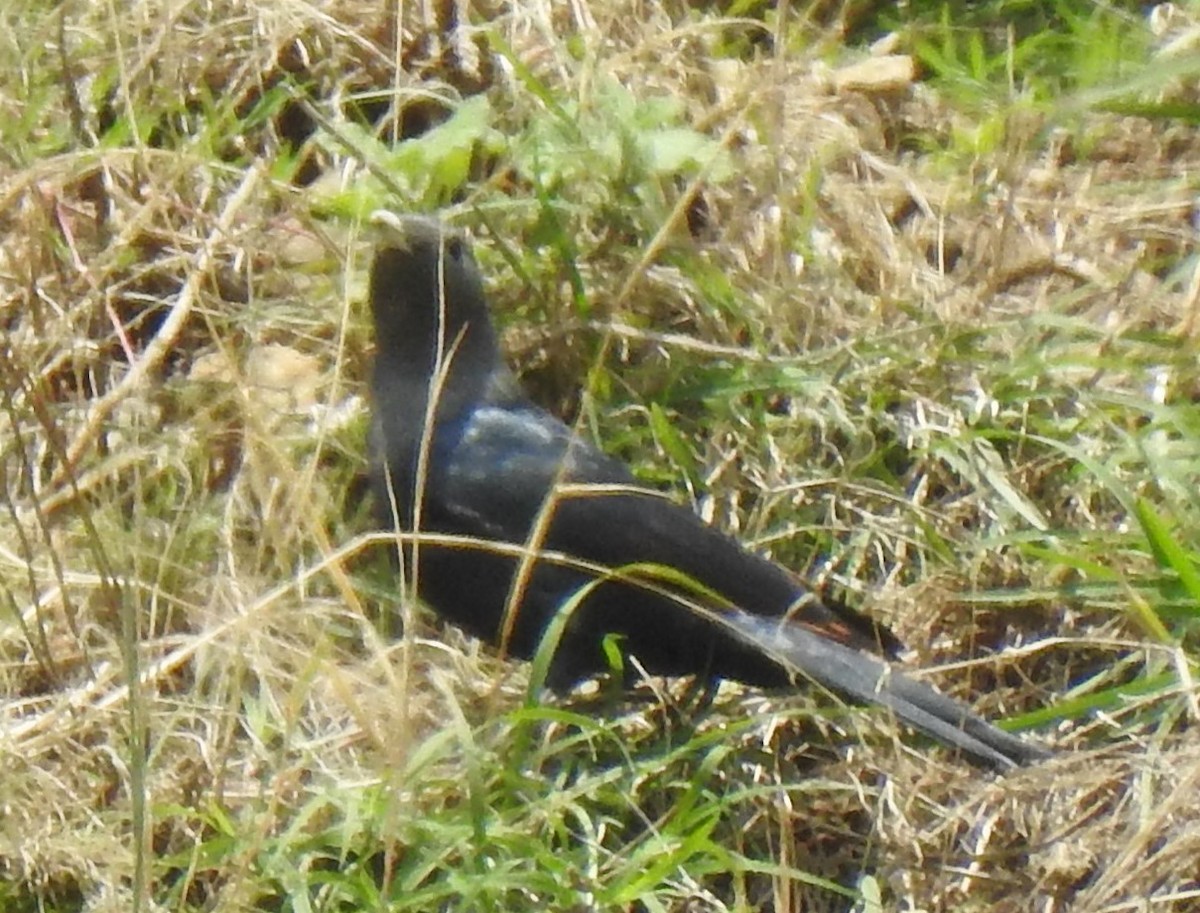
x,y
857,675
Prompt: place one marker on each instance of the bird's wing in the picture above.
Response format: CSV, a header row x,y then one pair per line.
x,y
494,478
495,472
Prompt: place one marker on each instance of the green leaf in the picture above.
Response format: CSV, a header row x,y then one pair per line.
x,y
681,150
1166,550
671,441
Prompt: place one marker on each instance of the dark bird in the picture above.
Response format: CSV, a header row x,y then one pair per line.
x,y
520,522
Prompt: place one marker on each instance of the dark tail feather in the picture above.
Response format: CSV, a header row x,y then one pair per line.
x,y
865,678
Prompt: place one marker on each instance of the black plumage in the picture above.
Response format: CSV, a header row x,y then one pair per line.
x,y
462,456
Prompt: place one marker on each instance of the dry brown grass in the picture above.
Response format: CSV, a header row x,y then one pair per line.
x,y
183,367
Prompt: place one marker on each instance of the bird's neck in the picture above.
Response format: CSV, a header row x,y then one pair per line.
x,y
455,369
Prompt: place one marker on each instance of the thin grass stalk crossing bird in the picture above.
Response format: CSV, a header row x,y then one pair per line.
x,y
511,517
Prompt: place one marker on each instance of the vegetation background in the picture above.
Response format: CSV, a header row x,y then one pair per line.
x,y
906,295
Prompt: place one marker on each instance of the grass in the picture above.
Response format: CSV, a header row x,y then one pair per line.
x,y
932,344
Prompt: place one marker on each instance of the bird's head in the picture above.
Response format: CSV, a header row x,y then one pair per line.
x,y
426,292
